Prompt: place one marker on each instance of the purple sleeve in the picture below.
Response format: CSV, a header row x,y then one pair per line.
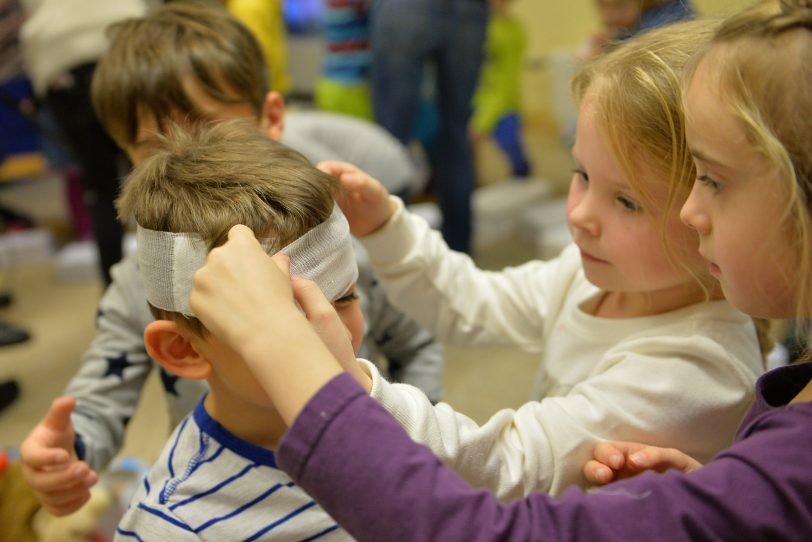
x,y
361,466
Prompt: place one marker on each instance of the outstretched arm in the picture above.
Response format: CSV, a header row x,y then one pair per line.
x,y
361,466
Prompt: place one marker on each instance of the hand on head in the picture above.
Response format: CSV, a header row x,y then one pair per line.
x,y
49,463
617,460
239,294
246,299
364,201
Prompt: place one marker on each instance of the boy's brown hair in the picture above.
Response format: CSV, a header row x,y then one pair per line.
x,y
206,179
149,58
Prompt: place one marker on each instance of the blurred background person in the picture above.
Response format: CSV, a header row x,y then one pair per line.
x,y
61,41
497,102
406,35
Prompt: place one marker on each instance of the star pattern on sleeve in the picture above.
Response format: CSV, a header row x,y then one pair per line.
x,y
169,380
116,365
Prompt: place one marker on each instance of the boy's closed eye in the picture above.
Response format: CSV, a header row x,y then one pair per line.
x,y
346,299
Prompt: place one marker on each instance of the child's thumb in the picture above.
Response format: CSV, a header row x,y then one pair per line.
x,y
58,416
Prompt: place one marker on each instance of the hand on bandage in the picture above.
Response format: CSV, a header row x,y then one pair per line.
x,y
365,201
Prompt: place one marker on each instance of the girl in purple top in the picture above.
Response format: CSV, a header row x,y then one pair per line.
x,y
749,127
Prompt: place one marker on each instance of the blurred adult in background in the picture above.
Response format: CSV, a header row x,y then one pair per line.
x,y
405,36
61,41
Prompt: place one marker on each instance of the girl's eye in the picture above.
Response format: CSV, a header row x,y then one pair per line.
x,y
710,183
581,174
628,204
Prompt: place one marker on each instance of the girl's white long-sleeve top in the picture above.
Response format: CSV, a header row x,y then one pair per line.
x,y
681,379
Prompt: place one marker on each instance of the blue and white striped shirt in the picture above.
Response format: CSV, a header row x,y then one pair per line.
x,y
210,485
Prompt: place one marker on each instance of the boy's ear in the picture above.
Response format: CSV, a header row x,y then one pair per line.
x,y
174,351
273,116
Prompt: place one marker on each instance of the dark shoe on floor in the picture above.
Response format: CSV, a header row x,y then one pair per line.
x,y
12,334
9,391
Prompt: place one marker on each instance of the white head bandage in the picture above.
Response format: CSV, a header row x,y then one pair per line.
x,y
168,261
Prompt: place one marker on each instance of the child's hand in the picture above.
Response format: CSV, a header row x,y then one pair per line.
x,y
329,327
365,201
617,460
59,480
246,299
240,295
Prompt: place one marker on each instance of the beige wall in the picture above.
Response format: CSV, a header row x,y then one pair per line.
x,y
556,27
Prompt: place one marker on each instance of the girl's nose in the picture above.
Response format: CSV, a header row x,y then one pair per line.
x,y
692,213
581,213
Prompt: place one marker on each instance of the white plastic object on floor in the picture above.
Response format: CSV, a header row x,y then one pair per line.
x,y
25,247
78,260
498,207
544,225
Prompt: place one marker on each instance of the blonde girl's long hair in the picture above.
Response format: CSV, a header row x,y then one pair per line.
x,y
762,60
636,90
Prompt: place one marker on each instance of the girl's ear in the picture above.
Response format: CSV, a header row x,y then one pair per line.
x,y
272,118
174,351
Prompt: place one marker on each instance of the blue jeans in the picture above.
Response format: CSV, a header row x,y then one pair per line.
x,y
405,34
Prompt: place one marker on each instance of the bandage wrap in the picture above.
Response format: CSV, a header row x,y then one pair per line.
x,y
168,261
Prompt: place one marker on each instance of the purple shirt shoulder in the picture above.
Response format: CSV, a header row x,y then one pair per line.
x,y
362,467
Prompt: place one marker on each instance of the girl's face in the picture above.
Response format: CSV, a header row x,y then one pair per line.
x,y
737,206
619,238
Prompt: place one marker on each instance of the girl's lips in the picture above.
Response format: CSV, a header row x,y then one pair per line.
x,y
586,256
712,267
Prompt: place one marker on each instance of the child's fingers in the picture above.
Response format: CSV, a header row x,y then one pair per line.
x,y
282,261
325,321
352,179
240,233
65,495
36,455
310,297
662,459
597,473
609,454
59,479
73,502
362,186
336,168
